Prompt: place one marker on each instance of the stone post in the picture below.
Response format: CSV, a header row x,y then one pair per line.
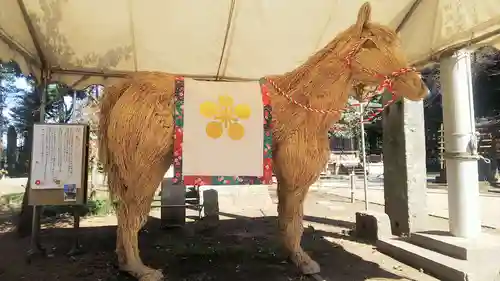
x,y
405,178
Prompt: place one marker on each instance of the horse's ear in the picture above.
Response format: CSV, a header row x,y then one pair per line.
x,y
363,15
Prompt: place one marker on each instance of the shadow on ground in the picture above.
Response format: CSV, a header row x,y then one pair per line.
x,y
235,249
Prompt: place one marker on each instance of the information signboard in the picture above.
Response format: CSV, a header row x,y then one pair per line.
x,y
59,162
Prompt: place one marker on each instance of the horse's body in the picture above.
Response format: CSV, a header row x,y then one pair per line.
x,y
137,130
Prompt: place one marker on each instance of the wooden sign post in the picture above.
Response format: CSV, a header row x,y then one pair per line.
x,y
59,171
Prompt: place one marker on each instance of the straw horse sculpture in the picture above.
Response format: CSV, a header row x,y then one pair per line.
x,y
136,130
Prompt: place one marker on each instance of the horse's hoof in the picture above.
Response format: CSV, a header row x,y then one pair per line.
x,y
153,275
309,268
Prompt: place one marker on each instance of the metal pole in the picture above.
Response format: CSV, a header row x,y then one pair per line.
x,y
352,181
363,155
96,92
73,114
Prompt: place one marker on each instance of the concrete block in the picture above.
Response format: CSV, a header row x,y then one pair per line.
x,y
375,169
444,267
372,225
484,248
242,200
211,204
173,204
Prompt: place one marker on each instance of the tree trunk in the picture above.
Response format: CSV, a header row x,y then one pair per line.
x,y
24,226
26,216
12,151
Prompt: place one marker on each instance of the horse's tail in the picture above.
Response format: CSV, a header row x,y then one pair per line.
x,y
111,95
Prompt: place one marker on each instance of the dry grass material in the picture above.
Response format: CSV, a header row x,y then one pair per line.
x,y
136,131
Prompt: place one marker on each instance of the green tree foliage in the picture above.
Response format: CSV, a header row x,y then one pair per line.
x,y
349,124
486,82
26,110
25,113
26,102
28,105
9,73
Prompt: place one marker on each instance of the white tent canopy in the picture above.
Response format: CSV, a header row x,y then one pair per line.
x,y
83,41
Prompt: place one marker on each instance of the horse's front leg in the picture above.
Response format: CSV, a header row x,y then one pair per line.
x,y
297,167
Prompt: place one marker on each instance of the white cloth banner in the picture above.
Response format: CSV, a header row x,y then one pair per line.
x,y
223,129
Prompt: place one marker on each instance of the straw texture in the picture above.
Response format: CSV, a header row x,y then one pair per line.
x,y
136,131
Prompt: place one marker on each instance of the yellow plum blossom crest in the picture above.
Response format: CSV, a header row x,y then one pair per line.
x,y
226,116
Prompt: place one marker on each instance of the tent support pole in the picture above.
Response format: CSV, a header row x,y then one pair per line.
x,y
33,34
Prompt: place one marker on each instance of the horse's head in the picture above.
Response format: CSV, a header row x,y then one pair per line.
x,y
374,55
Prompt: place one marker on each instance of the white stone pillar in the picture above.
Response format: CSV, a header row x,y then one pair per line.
x,y
461,155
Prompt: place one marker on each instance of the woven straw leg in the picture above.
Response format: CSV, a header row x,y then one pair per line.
x,y
298,163
130,220
132,213
120,248
290,215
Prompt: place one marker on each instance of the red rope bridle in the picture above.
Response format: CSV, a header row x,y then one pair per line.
x,y
386,84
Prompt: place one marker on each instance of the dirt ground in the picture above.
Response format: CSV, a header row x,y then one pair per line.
x,y
237,248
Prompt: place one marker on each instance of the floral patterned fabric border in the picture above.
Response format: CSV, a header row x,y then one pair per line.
x,y
179,178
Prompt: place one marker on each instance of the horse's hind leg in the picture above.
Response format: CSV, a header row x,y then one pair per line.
x,y
132,213
120,248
